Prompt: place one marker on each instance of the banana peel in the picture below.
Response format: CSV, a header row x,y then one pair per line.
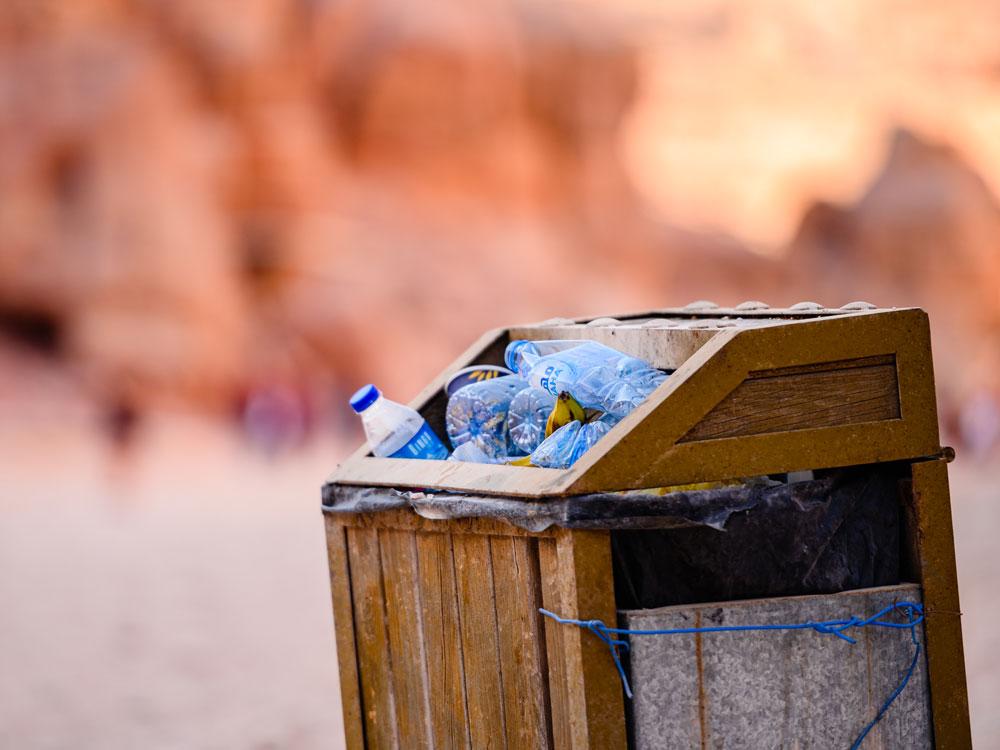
x,y
566,410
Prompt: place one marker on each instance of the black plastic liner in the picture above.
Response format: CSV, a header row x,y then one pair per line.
x,y
618,510
822,536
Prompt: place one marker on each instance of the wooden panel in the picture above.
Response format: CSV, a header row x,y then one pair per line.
x,y
443,641
851,392
522,655
643,449
595,702
406,519
378,700
480,641
666,349
558,677
343,615
406,643
762,689
945,652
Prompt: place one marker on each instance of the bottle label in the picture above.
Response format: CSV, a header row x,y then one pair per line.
x,y
425,444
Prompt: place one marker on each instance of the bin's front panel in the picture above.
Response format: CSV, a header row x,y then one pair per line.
x,y
450,648
777,689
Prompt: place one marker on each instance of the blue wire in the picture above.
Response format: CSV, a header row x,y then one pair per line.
x,y
914,614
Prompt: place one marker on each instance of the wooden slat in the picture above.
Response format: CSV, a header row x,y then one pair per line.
x,y
374,659
443,641
749,690
343,615
406,519
558,677
406,643
939,577
522,656
789,399
643,449
480,641
595,703
666,349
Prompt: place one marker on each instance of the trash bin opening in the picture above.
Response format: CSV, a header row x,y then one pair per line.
x,y
846,529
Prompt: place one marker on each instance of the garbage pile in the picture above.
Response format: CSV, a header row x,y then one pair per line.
x,y
555,400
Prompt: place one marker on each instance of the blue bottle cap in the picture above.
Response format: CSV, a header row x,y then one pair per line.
x,y
510,355
364,397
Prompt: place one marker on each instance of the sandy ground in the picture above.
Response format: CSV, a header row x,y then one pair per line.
x,y
177,598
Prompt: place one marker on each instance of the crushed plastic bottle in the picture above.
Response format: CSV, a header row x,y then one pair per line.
x,y
470,452
394,430
562,448
597,376
477,413
529,411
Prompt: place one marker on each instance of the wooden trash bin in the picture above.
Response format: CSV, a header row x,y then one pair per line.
x,y
436,596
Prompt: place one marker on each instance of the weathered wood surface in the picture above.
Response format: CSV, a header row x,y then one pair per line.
x,y
374,659
584,581
795,689
443,641
935,550
343,616
722,413
451,651
795,398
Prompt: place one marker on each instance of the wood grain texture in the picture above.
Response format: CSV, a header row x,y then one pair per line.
x,y
595,702
666,348
480,641
843,393
343,617
558,676
404,624
799,689
939,577
443,641
643,449
374,661
521,641
406,519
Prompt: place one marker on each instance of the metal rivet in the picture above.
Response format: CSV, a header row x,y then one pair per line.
x,y
701,304
859,305
807,306
753,304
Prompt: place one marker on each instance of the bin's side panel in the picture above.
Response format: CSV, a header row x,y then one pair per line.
x,y
810,394
587,701
936,558
343,615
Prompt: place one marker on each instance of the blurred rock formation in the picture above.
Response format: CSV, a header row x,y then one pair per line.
x,y
208,201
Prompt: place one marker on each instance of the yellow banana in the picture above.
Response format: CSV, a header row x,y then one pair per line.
x,y
566,410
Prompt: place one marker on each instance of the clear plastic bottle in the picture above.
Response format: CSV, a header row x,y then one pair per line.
x,y
562,448
597,376
529,411
478,413
394,430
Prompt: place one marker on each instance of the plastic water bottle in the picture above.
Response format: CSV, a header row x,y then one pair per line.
x,y
394,430
529,412
596,375
478,412
562,448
